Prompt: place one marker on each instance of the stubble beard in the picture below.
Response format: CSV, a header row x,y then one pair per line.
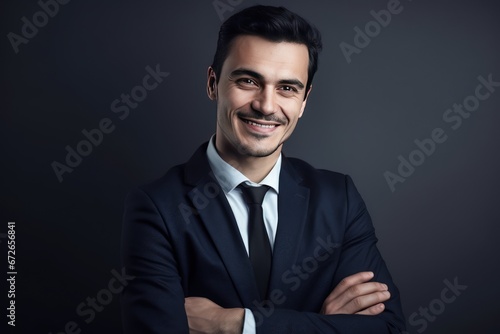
x,y
248,151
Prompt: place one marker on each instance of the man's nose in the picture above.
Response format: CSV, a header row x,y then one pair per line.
x,y
265,101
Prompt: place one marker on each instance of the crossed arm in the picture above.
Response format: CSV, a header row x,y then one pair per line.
x,y
355,294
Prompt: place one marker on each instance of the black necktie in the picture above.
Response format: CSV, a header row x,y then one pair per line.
x,y
258,241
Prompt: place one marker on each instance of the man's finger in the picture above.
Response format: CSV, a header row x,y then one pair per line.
x,y
361,303
352,287
356,299
373,310
350,281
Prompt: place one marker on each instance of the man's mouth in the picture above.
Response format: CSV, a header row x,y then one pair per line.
x,y
265,126
261,124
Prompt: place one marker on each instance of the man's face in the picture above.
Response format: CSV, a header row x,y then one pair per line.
x,y
260,96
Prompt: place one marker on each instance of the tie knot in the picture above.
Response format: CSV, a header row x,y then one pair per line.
x,y
253,195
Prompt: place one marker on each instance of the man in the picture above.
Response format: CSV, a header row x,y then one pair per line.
x,y
209,257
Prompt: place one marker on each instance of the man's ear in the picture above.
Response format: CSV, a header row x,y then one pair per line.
x,y
305,101
211,84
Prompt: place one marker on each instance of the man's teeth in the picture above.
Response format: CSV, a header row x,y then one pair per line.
x,y
270,126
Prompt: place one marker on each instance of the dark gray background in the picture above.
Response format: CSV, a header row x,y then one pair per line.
x,y
441,223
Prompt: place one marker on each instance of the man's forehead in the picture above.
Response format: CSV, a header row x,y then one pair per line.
x,y
254,52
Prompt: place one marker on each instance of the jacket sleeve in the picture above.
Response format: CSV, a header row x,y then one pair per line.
x,y
359,253
153,301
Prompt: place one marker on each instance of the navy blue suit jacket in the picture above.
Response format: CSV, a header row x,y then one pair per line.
x,y
180,239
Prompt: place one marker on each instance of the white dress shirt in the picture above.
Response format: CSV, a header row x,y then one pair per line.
x,y
229,179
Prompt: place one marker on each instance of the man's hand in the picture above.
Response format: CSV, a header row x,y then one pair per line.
x,y
355,295
204,316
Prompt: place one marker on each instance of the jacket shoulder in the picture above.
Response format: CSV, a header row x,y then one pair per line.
x,y
170,182
310,174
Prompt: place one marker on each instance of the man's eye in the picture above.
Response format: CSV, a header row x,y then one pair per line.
x,y
288,89
247,81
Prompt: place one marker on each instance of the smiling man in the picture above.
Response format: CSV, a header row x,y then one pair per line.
x,y
241,239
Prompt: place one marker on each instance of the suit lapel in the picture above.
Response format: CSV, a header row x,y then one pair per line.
x,y
218,219
293,202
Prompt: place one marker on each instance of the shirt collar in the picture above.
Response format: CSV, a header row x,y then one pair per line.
x,y
229,177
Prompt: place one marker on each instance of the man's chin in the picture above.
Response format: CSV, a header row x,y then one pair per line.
x,y
256,152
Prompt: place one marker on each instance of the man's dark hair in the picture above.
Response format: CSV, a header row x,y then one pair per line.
x,y
276,24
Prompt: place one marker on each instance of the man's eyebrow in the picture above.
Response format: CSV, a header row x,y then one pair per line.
x,y
292,82
244,71
260,77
